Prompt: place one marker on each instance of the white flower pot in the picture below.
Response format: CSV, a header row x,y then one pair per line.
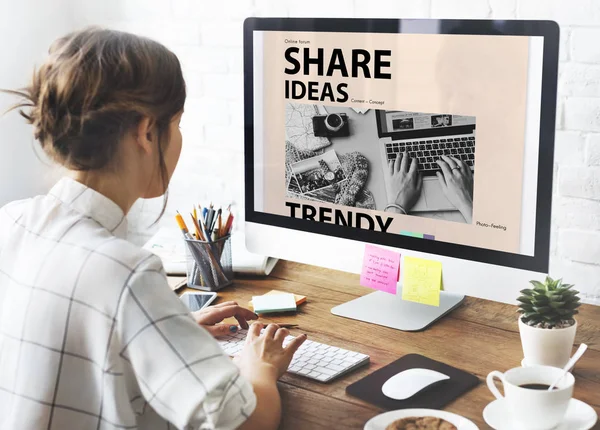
x,y
547,347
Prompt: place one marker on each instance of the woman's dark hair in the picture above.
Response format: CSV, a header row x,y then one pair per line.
x,y
95,86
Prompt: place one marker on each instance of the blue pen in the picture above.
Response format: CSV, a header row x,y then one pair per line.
x,y
204,212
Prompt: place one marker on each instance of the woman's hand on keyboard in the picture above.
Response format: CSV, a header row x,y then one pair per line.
x,y
264,355
210,318
404,186
456,180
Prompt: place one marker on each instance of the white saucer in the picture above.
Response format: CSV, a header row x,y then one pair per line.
x,y
579,416
381,421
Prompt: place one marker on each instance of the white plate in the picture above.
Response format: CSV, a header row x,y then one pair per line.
x,y
579,416
381,421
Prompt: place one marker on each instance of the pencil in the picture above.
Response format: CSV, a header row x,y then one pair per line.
x,y
229,225
219,224
182,226
204,230
224,231
197,227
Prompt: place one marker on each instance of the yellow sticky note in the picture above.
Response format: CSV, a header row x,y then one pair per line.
x,y
422,281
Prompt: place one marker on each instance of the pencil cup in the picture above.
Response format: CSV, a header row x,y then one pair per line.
x,y
209,265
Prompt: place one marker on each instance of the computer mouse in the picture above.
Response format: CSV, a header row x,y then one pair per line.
x,y
409,382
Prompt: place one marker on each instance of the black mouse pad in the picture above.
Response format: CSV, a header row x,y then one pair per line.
x,y
435,396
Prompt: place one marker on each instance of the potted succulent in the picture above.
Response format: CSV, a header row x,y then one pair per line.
x,y
547,324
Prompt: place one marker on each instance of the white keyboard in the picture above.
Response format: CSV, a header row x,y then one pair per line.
x,y
313,359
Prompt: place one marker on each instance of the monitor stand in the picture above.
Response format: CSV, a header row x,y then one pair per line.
x,y
391,311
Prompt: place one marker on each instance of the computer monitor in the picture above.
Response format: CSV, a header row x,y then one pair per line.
x,y
329,105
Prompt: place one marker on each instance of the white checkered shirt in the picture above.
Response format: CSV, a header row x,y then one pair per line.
x,y
91,336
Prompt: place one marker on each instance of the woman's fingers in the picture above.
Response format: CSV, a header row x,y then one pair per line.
x,y
404,162
215,315
414,165
271,330
294,344
254,331
219,330
397,163
449,161
460,164
445,167
220,305
242,321
281,334
465,168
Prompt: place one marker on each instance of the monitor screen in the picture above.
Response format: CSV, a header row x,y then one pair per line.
x,y
426,133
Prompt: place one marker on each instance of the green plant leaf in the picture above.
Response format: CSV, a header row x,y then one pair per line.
x,y
538,285
524,299
557,305
542,309
527,292
571,306
541,299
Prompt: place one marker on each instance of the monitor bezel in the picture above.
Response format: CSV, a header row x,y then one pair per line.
x,y
549,30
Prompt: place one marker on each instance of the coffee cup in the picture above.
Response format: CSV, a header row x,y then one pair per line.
x,y
527,399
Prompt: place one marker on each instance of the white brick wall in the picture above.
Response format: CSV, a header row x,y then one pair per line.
x,y
207,36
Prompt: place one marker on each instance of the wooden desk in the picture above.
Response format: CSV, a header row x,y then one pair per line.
x,y
479,337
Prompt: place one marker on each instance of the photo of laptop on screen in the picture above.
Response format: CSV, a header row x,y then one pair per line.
x,y
426,137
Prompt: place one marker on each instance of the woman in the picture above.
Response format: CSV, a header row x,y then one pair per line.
x,y
91,336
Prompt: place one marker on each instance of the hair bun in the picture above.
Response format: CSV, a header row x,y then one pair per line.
x,y
95,85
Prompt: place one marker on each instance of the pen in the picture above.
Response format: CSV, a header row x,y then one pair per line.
x,y
287,325
209,218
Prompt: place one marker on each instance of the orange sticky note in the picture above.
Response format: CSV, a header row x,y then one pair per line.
x,y
380,269
422,281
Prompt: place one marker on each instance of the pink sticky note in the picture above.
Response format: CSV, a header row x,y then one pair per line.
x,y
380,269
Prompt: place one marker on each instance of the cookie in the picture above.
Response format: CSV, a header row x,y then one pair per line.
x,y
420,423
